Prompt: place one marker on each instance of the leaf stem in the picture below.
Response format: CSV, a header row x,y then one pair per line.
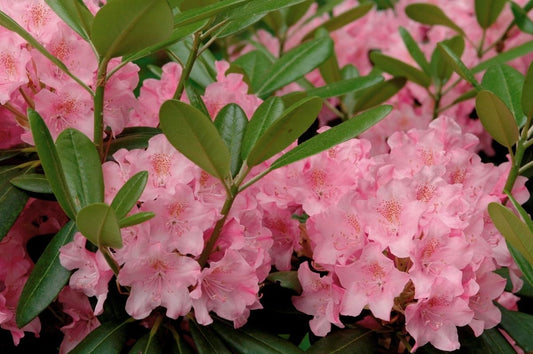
x,y
193,55
521,147
99,107
110,260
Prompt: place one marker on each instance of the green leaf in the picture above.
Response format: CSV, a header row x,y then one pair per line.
x,y
504,57
46,280
99,224
487,11
81,166
415,51
346,341
293,98
202,13
286,279
120,27
396,67
329,70
133,138
294,65
206,340
296,12
75,14
334,136
12,199
196,137
519,325
513,229
344,87
293,122
342,19
231,123
135,219
110,337
32,182
265,115
195,99
129,194
193,4
429,14
253,341
441,69
496,118
255,64
495,342
147,345
506,83
378,93
521,19
526,99
458,65
51,163
203,71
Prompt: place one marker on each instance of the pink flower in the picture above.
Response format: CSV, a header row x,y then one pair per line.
x,y
13,60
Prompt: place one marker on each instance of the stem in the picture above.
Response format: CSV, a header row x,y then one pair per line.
x,y
335,110
437,98
480,51
110,260
501,39
521,147
526,167
99,108
255,179
193,55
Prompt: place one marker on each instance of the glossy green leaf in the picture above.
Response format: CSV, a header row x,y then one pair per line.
x,y
120,27
231,124
81,166
496,343
496,118
205,12
274,20
286,279
110,337
32,182
99,224
206,340
342,19
506,83
441,69
415,51
47,278
430,14
51,163
504,57
334,136
203,71
378,93
295,64
128,195
329,70
487,11
135,219
521,19
196,137
525,267
293,98
195,99
296,12
75,14
265,115
147,345
255,64
526,100
253,341
519,326
12,199
344,87
398,68
466,96
346,341
458,65
133,138
513,229
293,122
193,4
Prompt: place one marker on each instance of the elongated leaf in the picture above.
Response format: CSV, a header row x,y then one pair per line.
x,y
466,96
110,337
430,14
294,65
415,51
147,345
195,99
12,199
133,138
32,182
206,340
378,93
265,115
252,8
519,325
51,163
396,67
525,267
199,14
296,12
343,19
329,70
521,19
487,11
527,93
504,57
99,224
253,341
47,278
336,135
231,123
192,4
81,166
129,194
75,14
292,123
345,86
135,219
496,343
255,64
441,69
203,71
458,65
286,279
120,27
347,341
196,137
513,229
496,118
506,83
